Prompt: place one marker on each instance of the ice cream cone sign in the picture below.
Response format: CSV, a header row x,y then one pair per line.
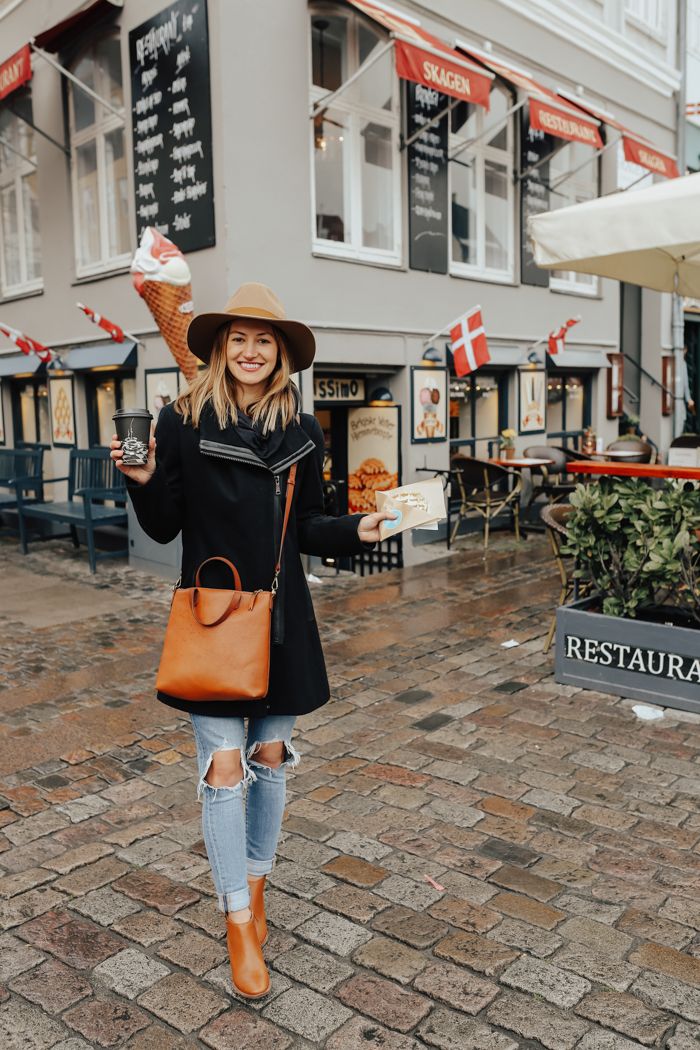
x,y
162,278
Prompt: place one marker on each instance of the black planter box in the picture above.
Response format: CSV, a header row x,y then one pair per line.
x,y
654,662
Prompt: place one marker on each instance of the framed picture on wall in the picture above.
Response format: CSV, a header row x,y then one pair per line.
x,y
532,401
162,387
615,379
429,404
2,419
62,405
668,379
374,454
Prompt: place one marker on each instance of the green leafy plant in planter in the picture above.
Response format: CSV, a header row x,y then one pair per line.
x,y
638,547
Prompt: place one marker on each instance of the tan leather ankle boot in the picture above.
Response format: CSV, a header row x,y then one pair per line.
x,y
256,887
248,970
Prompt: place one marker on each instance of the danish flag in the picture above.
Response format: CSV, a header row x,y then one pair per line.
x,y
25,344
114,330
468,343
556,342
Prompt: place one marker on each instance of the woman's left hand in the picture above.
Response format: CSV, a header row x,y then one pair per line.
x,y
368,527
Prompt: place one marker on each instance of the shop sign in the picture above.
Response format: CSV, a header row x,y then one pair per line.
x,y
374,438
536,146
337,389
647,157
654,662
171,120
427,182
15,71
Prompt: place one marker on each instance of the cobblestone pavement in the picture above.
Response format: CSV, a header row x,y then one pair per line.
x,y
559,833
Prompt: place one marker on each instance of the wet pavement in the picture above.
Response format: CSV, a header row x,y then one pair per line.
x,y
473,857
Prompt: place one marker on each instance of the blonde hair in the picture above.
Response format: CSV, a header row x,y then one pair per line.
x,y
216,385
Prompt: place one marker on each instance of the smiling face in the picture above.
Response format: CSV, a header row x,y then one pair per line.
x,y
251,355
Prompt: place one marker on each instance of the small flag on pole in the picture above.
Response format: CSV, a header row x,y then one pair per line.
x,y
468,343
556,342
25,344
114,331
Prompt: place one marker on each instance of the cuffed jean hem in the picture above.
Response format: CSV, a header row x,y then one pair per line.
x,y
256,868
234,901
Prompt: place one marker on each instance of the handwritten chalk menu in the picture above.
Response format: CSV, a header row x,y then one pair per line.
x,y
427,180
171,115
534,193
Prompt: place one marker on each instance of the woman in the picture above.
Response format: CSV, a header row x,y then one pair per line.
x,y
216,472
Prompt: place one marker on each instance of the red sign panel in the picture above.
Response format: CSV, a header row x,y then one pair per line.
x,y
564,124
445,76
15,71
647,157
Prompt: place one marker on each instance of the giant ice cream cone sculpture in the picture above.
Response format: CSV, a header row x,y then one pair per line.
x,y
162,278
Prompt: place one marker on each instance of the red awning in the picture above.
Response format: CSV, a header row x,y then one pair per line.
x,y
548,111
637,149
62,33
15,71
424,59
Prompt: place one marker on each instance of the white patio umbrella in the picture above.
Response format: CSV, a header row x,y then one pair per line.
x,y
650,237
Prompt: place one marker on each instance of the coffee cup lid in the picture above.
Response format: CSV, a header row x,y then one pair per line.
x,y
142,413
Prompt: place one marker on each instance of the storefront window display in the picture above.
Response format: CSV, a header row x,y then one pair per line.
x,y
482,187
478,412
105,394
30,411
355,142
20,239
98,161
568,404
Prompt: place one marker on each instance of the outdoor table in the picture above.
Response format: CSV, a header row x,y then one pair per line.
x,y
635,470
617,453
521,462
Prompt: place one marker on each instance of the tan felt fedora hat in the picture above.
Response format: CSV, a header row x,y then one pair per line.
x,y
250,301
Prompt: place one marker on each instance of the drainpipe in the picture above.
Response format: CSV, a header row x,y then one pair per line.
x,y
677,304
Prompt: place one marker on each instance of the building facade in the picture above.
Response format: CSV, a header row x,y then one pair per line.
x,y
376,166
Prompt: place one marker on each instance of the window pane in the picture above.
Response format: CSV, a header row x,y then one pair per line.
x,y
461,408
110,62
329,51
555,404
116,194
464,120
83,106
486,403
375,87
499,104
464,203
578,187
42,404
574,390
10,237
497,216
26,412
330,135
87,204
377,187
32,239
128,393
106,405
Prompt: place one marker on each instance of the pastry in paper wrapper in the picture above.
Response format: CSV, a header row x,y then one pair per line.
x,y
419,505
162,278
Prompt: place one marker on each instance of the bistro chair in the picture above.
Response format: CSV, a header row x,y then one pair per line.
x,y
643,448
572,454
549,481
554,516
686,441
484,488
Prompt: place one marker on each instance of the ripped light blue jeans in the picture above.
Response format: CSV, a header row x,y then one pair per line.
x,y
242,840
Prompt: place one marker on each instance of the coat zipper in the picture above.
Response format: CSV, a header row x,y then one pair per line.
x,y
277,618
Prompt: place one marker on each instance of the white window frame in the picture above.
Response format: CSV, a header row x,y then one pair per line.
x,y
573,283
13,175
648,15
480,152
105,123
355,113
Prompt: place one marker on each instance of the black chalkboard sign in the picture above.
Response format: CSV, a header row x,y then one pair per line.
x,y
427,180
171,117
534,193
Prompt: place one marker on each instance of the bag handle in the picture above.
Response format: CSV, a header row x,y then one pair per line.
x,y
235,594
291,480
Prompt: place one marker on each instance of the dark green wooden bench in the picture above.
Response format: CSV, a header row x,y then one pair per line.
x,y
20,472
93,483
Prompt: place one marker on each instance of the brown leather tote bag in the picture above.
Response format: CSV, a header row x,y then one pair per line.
x,y
217,642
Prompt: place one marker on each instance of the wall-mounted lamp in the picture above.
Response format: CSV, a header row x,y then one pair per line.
x,y
381,397
533,357
431,357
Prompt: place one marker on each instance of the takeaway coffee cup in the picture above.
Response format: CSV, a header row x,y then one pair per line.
x,y
133,426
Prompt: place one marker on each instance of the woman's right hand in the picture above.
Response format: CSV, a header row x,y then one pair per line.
x,y
141,475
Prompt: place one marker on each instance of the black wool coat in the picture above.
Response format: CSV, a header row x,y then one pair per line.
x,y
226,501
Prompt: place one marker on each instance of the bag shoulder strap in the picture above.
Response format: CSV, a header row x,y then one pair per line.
x,y
291,481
